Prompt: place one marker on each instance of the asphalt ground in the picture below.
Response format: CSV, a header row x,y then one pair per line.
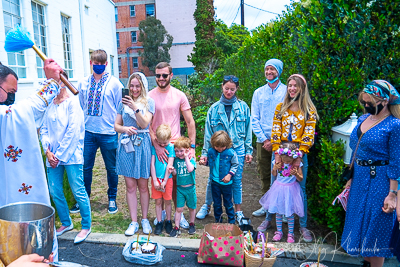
x,y
102,255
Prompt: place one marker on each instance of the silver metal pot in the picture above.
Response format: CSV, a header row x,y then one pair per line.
x,y
26,228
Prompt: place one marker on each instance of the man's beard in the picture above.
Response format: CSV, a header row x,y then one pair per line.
x,y
167,82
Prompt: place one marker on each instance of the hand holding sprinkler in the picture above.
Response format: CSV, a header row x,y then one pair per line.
x,y
18,39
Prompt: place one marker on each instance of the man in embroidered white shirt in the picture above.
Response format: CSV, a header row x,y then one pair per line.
x,y
100,95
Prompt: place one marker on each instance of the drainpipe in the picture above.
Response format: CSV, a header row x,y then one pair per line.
x,y
127,57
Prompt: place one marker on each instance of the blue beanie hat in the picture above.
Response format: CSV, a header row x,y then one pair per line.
x,y
276,63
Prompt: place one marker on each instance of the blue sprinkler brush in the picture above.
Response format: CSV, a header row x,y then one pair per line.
x,y
19,39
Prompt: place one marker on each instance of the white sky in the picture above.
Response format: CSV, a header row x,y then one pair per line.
x,y
226,10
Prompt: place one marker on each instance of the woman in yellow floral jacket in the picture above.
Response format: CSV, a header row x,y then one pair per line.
x,y
294,121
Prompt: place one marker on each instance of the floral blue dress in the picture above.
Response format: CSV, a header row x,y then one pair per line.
x,y
367,228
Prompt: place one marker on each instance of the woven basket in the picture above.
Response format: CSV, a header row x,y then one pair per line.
x,y
254,261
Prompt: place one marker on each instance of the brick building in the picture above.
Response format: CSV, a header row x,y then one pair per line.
x,y
177,18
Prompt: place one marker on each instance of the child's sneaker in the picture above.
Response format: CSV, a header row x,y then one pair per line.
x,y
264,226
239,216
168,226
277,236
163,215
175,232
290,238
159,227
192,229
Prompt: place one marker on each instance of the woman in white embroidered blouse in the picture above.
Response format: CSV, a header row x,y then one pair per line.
x,y
62,136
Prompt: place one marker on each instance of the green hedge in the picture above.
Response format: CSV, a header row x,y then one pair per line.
x,y
339,46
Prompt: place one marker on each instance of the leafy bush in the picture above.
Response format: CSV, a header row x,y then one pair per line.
x,y
327,184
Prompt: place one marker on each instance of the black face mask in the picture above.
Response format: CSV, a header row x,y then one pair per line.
x,y
10,98
295,98
374,110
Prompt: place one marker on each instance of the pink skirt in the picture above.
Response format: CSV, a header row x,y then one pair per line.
x,y
285,199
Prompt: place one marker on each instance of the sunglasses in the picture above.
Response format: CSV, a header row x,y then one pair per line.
x,y
165,76
231,78
362,102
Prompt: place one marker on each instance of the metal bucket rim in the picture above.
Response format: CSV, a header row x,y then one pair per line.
x,y
37,203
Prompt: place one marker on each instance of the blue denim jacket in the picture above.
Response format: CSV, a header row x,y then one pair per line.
x,y
238,128
228,161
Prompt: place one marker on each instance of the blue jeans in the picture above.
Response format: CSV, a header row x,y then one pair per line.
x,y
236,180
303,220
75,178
225,191
108,147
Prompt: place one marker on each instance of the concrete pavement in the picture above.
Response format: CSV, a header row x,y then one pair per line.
x,y
298,251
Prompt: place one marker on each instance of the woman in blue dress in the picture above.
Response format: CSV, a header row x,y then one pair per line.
x,y
133,153
372,201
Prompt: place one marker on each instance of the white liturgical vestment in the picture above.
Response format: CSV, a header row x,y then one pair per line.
x,y
22,172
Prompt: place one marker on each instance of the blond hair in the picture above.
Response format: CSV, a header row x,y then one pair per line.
x,y
306,105
163,132
221,139
393,109
143,93
99,55
182,142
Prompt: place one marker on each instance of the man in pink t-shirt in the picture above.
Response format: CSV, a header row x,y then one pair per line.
x,y
170,103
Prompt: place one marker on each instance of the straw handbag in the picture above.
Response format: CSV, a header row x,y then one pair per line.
x,y
257,261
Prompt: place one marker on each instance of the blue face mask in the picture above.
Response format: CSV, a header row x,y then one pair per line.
x,y
99,69
272,81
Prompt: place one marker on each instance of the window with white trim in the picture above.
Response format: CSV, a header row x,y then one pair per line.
x,y
118,39
12,17
112,64
135,63
132,11
39,32
119,65
66,36
133,37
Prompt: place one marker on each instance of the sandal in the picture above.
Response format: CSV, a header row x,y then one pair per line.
x,y
290,238
277,236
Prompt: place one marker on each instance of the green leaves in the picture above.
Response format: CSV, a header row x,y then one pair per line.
x,y
152,35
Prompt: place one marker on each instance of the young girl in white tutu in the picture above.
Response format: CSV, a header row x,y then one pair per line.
x,y
285,196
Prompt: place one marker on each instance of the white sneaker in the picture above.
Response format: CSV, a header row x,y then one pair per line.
x,y
163,215
239,216
132,229
184,223
203,212
260,212
146,226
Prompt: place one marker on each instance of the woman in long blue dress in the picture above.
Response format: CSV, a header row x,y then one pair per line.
x,y
372,201
133,120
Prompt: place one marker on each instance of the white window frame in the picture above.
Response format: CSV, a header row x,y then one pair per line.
x,y
40,34
135,63
67,44
133,36
16,61
132,8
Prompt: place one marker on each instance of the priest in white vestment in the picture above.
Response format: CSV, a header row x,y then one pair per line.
x,y
22,173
